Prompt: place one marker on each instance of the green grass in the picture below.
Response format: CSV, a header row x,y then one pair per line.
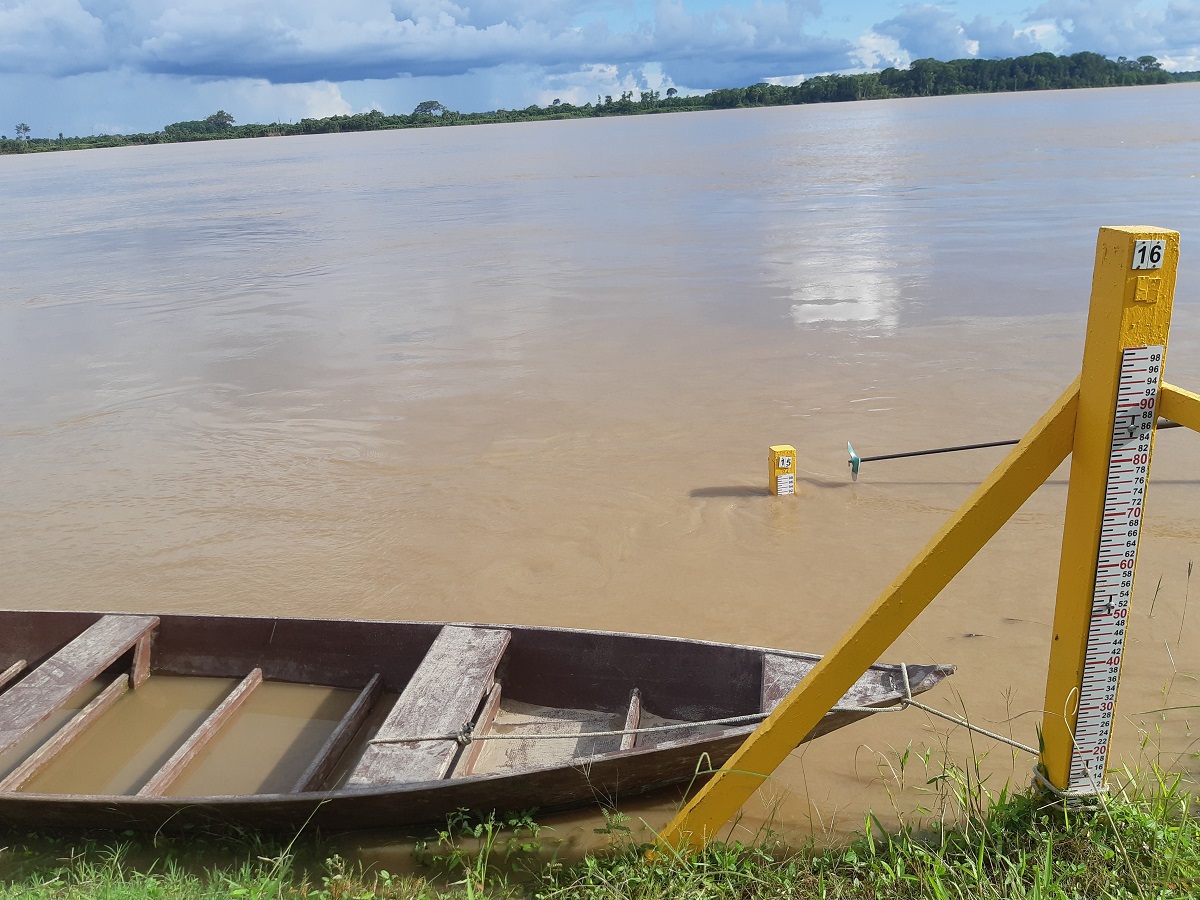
x,y
1142,841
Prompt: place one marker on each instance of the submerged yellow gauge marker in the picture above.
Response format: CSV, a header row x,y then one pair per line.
x,y
783,469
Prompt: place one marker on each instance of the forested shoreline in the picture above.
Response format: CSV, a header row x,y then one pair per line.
x,y
923,78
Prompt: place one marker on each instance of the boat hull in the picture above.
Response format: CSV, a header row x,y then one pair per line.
x,y
683,681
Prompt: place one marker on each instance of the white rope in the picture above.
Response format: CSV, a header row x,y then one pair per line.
x,y
1083,798
957,720
466,734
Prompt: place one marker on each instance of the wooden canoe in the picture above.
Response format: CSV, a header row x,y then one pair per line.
x,y
119,720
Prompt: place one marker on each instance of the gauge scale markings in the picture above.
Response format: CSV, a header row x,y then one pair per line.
x,y
1129,460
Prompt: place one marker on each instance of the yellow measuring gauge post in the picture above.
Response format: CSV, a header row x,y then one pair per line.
x,y
1106,423
1128,324
783,469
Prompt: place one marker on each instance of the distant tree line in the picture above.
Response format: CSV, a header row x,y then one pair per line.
x,y
923,78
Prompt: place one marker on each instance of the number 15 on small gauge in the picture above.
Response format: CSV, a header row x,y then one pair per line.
x,y
783,469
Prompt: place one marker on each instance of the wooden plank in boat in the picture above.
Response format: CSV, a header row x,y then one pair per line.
x,y
632,719
140,670
466,763
781,674
12,672
63,737
331,751
162,780
442,696
34,699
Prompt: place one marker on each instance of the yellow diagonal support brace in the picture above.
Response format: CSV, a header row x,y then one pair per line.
x,y
1180,406
1029,464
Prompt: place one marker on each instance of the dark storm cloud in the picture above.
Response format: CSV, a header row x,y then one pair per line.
x,y
818,55
728,47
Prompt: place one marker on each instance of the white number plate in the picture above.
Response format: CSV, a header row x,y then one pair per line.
x,y
1149,254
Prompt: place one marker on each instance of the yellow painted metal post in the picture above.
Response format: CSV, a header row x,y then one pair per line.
x,y
1132,290
782,467
1029,464
1180,406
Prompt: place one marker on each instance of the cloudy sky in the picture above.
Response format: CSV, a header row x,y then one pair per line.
x,y
108,66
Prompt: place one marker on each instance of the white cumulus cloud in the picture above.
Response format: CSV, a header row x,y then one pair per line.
x,y
52,37
170,56
1117,27
353,40
876,51
256,98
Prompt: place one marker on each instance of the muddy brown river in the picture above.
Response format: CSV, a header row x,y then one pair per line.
x,y
530,373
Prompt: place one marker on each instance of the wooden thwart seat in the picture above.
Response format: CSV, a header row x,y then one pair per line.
x,y
487,717
444,693
633,719
39,694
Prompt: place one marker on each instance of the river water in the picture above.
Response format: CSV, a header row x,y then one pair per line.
x,y
530,373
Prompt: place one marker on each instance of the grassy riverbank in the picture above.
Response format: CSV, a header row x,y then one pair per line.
x,y
1143,841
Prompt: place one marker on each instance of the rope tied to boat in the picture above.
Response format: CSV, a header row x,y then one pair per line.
x,y
1090,797
949,717
466,734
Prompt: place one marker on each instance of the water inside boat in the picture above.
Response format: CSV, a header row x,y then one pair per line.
x,y
274,736
263,750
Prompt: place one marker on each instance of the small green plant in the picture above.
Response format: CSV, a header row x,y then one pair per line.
x,y
482,851
616,823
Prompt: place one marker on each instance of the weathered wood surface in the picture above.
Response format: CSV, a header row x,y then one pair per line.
x,y
331,751
333,652
59,741
560,787
880,686
681,679
442,696
170,771
12,672
140,670
781,674
35,698
466,762
632,718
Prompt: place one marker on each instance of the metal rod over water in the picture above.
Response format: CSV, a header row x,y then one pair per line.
x,y
856,461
